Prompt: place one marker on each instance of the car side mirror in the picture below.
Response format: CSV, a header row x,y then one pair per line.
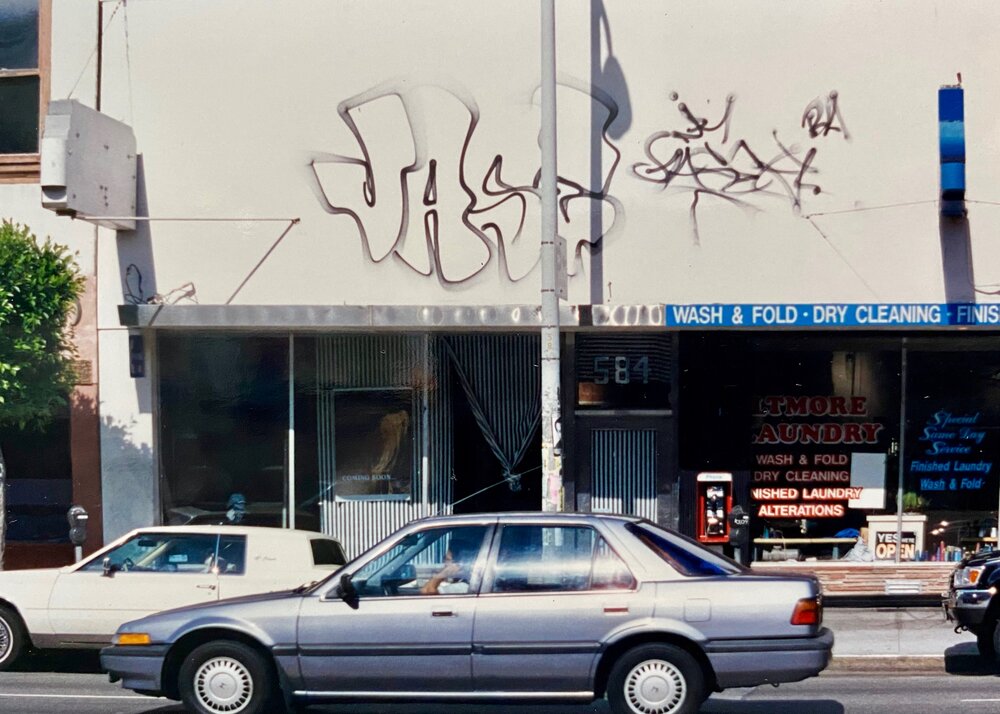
x,y
109,569
346,590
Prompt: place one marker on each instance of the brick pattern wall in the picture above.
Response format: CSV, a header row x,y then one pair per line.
x,y
870,579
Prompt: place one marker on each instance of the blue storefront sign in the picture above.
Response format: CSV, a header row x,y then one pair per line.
x,y
825,315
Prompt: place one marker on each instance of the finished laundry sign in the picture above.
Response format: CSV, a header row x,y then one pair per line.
x,y
825,315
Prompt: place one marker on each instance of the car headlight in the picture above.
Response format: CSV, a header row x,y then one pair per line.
x,y
132,638
964,577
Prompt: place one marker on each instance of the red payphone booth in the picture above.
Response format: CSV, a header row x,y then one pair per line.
x,y
715,501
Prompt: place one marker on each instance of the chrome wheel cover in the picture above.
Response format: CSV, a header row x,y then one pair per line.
x,y
655,687
6,639
224,685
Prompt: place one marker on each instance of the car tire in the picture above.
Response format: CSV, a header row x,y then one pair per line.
x,y
986,636
227,677
13,638
656,679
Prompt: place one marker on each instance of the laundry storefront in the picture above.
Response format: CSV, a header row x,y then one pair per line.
x,y
853,452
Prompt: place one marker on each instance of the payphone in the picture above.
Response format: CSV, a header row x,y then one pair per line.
x,y
714,502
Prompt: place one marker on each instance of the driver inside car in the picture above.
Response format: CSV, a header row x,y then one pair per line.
x,y
453,578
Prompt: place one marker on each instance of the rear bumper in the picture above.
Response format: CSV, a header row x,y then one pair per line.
x,y
748,663
138,668
966,607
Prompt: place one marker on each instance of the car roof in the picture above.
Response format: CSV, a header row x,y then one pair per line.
x,y
514,516
232,529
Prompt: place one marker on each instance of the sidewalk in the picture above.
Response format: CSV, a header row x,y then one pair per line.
x,y
912,640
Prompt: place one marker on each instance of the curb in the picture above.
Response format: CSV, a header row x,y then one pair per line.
x,y
936,664
888,663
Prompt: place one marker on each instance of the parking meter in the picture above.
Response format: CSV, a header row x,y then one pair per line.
x,y
77,517
739,532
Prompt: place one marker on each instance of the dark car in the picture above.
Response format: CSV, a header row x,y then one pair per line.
x,y
511,607
970,603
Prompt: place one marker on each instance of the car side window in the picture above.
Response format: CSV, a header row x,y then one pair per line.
x,y
161,553
326,551
610,571
556,559
436,561
681,553
231,559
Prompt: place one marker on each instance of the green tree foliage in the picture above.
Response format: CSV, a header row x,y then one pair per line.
x,y
39,286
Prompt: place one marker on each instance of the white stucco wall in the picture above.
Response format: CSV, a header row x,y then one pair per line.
x,y
128,476
234,104
230,100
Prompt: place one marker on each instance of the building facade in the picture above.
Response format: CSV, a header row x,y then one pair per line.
x,y
327,312
48,470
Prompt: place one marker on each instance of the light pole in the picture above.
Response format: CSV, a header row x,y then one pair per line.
x,y
552,482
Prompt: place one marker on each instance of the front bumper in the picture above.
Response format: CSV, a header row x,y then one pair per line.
x,y
138,667
966,607
748,663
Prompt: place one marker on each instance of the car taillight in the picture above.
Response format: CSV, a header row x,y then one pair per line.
x,y
808,611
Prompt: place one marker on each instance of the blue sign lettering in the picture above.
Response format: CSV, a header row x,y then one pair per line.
x,y
832,315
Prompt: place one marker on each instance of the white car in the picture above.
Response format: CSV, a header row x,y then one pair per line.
x,y
152,569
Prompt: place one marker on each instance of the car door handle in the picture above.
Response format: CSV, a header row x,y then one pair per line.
x,y
205,587
616,609
443,613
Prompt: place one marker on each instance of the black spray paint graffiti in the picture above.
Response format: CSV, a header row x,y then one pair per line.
x,y
134,294
822,116
493,214
735,171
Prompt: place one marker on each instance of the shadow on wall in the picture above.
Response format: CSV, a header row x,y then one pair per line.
x,y
122,458
956,259
129,498
607,74
51,470
136,266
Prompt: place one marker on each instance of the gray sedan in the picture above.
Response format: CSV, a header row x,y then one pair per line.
x,y
516,607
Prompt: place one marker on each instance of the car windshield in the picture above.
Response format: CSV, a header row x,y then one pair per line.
x,y
683,554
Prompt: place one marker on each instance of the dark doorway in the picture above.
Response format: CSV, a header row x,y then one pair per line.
x,y
477,468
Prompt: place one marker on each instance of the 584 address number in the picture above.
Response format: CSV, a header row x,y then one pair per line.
x,y
619,369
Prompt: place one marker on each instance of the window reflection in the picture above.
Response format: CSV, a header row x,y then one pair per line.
x,y
224,403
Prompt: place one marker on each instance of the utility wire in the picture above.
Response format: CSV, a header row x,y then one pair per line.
x,y
842,258
492,485
862,209
94,51
128,64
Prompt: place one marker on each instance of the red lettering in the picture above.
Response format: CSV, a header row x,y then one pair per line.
x,y
770,405
852,433
797,406
838,406
871,431
788,433
832,434
809,433
766,435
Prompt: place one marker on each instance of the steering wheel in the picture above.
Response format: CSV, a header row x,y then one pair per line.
x,y
127,564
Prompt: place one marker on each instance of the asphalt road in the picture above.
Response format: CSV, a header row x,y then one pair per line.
x,y
48,687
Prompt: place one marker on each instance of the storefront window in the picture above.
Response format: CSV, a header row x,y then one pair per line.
x,y
822,433
952,443
39,481
224,406
811,434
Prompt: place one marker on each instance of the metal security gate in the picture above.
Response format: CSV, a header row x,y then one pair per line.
x,y
384,362
623,471
495,369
